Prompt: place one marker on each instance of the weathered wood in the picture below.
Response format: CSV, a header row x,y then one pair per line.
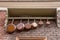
x,y
31,38
30,4
8,0
31,0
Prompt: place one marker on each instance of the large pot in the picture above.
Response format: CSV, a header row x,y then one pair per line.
x,y
11,28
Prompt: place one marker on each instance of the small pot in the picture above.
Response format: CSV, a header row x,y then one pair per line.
x,y
28,25
34,24
48,22
40,22
20,26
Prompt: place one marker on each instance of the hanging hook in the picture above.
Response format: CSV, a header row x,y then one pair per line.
x,y
47,19
28,19
12,21
40,19
20,20
34,19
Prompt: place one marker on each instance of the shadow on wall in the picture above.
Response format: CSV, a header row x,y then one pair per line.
x,y
32,12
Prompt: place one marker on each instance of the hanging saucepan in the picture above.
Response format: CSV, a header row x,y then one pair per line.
x,y
48,22
20,26
11,27
28,25
34,24
40,22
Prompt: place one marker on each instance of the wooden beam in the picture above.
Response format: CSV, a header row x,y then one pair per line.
x,y
30,4
31,38
29,0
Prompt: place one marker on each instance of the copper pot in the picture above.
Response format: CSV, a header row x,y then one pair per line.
x,y
20,26
48,22
34,24
28,25
11,28
40,22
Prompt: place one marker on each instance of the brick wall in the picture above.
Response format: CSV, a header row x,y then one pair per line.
x,y
52,32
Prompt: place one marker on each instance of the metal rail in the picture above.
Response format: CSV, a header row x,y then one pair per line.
x,y
31,18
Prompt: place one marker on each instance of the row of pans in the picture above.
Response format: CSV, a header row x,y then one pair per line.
x,y
21,26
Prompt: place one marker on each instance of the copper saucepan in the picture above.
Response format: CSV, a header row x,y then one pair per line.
x,y
11,27
48,22
34,24
40,22
28,25
20,26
